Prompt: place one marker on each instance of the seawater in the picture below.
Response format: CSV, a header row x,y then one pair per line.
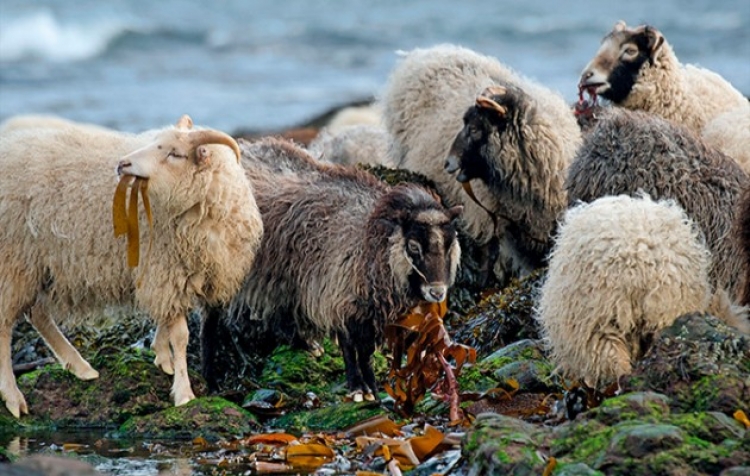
x,y
138,64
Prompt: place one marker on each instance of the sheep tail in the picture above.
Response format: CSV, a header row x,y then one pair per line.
x,y
732,314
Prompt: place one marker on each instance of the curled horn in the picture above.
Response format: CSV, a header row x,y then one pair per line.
x,y
214,137
486,100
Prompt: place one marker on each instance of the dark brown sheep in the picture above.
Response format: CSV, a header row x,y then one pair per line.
x,y
743,236
342,253
631,151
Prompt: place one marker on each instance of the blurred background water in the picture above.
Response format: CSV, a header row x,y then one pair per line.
x,y
138,64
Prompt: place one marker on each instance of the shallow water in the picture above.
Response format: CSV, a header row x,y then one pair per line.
x,y
137,64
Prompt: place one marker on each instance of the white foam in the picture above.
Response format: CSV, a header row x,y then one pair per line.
x,y
41,35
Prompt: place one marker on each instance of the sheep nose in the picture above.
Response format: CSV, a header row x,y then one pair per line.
x,y
121,165
437,293
585,76
451,164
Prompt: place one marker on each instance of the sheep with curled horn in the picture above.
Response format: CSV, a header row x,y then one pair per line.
x,y
60,257
355,254
425,103
637,69
628,152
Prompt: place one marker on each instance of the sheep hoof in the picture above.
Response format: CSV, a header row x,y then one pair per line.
x,y
88,373
356,396
16,405
316,349
369,397
183,399
164,364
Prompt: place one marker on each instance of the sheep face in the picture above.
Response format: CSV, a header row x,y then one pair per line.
x,y
423,248
624,52
498,110
176,156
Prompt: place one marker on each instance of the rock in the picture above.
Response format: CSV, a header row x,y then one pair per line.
x,y
331,418
700,363
641,440
129,384
522,361
208,417
44,465
498,444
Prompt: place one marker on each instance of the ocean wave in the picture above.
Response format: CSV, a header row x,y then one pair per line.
x,y
39,35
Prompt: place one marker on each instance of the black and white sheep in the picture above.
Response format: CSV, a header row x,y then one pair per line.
x,y
358,253
637,69
631,151
622,269
517,138
59,256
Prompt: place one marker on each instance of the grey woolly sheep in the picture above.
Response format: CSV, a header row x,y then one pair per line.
x,y
742,235
424,106
358,253
637,69
622,268
59,256
351,145
631,151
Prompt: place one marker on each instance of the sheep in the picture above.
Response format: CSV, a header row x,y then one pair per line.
x,y
358,253
58,252
637,69
40,121
425,104
631,151
350,145
622,268
730,133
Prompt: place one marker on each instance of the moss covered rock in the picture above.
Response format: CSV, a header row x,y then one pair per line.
x,y
330,418
700,363
129,384
208,417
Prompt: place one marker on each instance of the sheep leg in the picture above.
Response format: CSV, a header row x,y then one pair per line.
x,y
160,346
364,357
353,377
209,328
66,354
14,400
178,339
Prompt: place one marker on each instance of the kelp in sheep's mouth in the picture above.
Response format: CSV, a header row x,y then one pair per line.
x,y
125,214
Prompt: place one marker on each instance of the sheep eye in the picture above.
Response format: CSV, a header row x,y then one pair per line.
x,y
630,52
173,153
413,247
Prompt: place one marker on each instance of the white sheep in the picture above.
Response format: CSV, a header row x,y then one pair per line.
x,y
58,253
622,269
350,145
426,103
636,68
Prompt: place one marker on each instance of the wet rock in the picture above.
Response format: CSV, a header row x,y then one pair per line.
x,y
700,363
45,465
208,417
522,361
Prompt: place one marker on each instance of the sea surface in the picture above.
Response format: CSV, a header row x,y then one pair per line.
x,y
139,64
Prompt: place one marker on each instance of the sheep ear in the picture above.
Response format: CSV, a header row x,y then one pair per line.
x,y
202,155
455,212
654,40
185,122
619,26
